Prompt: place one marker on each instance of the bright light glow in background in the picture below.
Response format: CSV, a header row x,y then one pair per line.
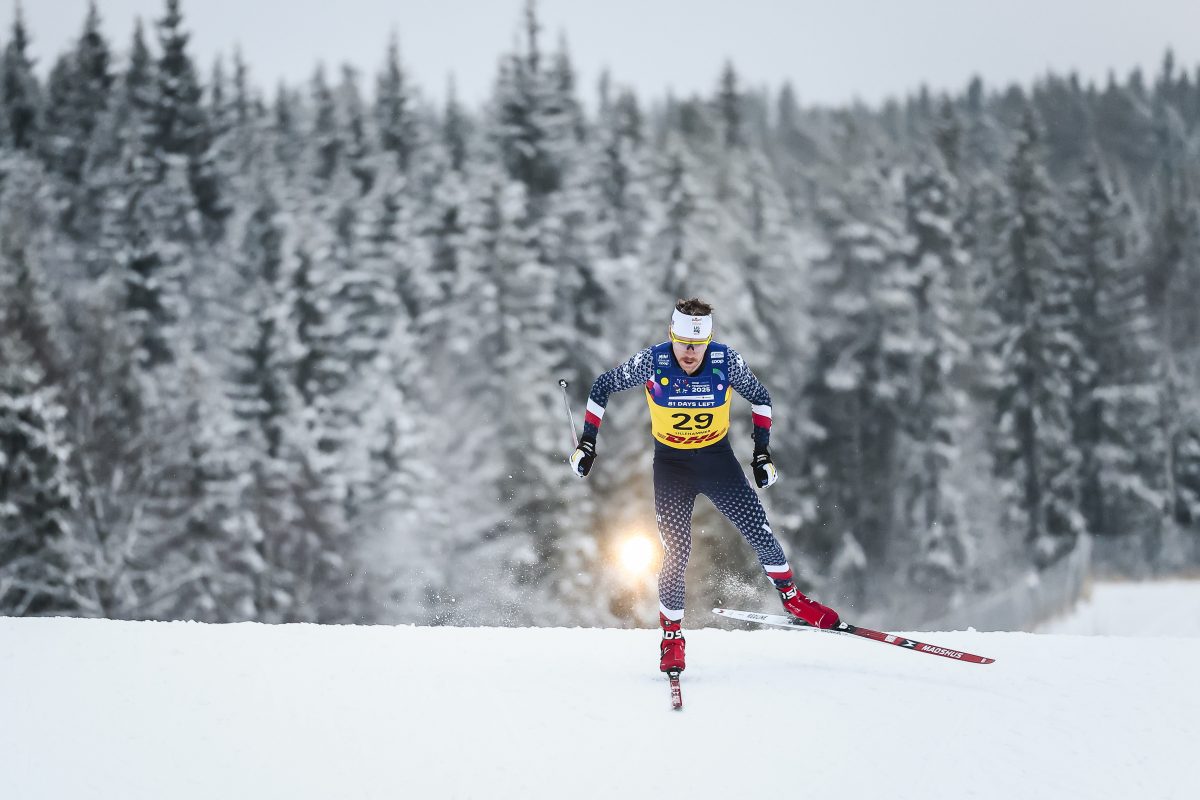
x,y
637,554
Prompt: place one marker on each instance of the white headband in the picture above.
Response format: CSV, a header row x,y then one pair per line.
x,y
690,329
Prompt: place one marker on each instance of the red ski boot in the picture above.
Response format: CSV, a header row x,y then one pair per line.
x,y
671,651
812,612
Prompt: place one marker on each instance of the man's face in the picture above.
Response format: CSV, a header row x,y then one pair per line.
x,y
689,356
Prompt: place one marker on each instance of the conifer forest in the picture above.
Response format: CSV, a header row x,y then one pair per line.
x,y
291,354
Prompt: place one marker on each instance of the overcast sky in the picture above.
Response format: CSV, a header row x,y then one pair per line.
x,y
832,52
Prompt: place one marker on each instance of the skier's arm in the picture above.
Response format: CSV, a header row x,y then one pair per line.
x,y
749,387
634,372
638,369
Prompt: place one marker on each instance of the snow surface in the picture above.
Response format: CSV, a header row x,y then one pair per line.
x,y
104,709
1162,608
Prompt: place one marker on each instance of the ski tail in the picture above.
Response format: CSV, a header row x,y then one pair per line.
x,y
676,691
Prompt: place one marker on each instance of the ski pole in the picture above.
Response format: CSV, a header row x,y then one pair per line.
x,y
562,384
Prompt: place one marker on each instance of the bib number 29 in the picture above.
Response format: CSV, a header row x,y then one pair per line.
x,y
702,421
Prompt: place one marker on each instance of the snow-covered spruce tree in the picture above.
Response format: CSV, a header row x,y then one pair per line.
x,y
25,217
118,134
286,134
391,237
321,440
948,137
730,109
266,405
1125,123
1171,282
37,494
755,249
585,306
245,101
179,124
564,111
760,278
1185,464
395,109
935,420
150,237
534,134
621,171
327,233
1118,403
78,94
138,80
456,130
623,316
458,341
360,146
207,486
797,150
401,299
319,370
341,312
326,158
571,249
618,170
242,139
515,558
368,296
451,282
974,194
404,517
366,310
1172,269
679,251
20,92
217,102
1036,456
157,242
983,137
1068,120
855,391
527,123
77,368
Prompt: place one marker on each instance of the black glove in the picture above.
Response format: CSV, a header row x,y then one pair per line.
x,y
584,455
764,471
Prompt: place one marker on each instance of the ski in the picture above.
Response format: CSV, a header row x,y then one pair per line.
x,y
845,628
676,692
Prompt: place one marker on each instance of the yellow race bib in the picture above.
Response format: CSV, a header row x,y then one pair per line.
x,y
689,427
689,411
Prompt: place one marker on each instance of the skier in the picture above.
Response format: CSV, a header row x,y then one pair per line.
x,y
687,382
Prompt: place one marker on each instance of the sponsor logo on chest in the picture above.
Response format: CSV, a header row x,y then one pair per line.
x,y
691,393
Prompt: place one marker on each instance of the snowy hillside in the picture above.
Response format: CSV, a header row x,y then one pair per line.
x,y
102,709
1163,608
